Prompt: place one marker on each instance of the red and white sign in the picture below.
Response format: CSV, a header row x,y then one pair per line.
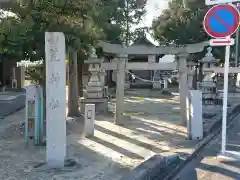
x,y
221,21
221,42
213,2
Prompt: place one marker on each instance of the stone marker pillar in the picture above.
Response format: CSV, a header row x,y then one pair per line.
x,y
55,98
195,124
183,86
165,83
122,58
89,118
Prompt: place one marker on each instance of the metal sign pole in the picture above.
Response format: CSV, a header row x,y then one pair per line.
x,y
225,97
215,23
237,41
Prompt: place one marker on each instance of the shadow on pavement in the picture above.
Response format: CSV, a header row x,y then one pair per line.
x,y
219,170
232,163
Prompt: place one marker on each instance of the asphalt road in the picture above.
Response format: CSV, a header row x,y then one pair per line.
x,y
208,166
10,102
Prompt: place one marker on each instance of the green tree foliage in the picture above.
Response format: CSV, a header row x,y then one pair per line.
x,y
179,25
83,23
128,14
77,19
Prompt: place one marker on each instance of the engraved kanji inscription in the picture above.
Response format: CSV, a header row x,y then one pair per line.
x,y
55,78
54,104
52,46
53,54
52,40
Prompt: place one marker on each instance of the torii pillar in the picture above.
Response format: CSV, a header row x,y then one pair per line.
x,y
183,86
122,58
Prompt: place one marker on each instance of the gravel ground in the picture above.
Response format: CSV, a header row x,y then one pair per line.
x,y
152,125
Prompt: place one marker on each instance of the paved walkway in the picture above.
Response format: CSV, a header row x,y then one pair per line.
x,y
152,125
208,167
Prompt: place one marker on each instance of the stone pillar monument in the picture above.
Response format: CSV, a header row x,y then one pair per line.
x,y
94,90
165,82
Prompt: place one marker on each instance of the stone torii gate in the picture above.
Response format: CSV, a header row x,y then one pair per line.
x,y
122,64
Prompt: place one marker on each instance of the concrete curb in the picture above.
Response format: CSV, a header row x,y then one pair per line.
x,y
12,105
12,112
14,90
155,168
204,142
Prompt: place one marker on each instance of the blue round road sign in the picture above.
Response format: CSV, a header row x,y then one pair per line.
x,y
221,21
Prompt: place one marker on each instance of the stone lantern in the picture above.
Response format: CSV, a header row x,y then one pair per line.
x,y
208,86
102,73
94,90
208,61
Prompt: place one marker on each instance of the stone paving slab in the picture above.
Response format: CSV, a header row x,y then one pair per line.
x,y
151,126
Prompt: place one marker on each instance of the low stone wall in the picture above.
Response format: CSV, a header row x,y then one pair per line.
x,y
15,90
213,114
12,102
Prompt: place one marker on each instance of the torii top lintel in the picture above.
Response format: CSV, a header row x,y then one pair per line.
x,y
146,50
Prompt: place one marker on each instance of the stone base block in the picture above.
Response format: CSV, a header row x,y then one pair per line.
x,y
94,94
157,86
101,105
127,85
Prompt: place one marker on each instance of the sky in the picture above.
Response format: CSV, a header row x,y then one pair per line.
x,y
154,8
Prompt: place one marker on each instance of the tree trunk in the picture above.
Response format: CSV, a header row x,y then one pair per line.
x,y
80,81
73,108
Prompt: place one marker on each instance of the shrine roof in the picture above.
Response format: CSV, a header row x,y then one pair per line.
x,y
5,4
142,40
